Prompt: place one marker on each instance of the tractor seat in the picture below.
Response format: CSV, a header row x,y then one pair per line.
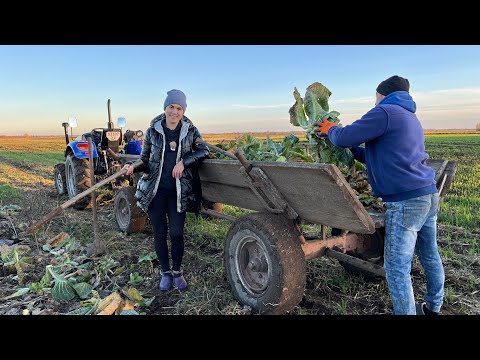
x,y
97,136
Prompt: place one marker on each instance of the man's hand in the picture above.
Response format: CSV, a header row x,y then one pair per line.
x,y
323,127
178,170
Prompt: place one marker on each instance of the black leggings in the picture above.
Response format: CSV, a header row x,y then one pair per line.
x,y
165,203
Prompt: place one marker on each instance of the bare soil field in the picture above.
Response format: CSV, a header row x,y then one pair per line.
x,y
329,289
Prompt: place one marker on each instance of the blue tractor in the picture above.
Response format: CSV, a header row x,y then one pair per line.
x,y
73,176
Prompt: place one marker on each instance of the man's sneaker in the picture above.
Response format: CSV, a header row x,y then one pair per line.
x,y
179,280
421,309
166,281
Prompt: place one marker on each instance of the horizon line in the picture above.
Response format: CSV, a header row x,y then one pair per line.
x,y
248,132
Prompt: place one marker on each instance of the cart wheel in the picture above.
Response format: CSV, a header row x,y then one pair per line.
x,y
128,215
60,182
264,263
135,178
374,254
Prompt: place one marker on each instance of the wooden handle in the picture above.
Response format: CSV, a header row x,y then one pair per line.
x,y
73,200
45,219
243,160
237,156
216,148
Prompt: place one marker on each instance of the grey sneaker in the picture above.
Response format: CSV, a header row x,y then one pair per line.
x,y
179,280
419,308
166,281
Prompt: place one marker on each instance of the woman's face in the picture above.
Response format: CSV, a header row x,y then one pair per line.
x,y
174,113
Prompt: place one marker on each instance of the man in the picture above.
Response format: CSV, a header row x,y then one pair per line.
x,y
395,156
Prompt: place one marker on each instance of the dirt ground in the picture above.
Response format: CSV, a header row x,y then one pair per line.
x,y
330,290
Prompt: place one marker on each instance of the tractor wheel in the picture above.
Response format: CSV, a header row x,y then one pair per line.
x,y
264,263
374,254
77,174
128,215
60,182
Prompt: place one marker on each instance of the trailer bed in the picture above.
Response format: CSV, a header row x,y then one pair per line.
x,y
318,192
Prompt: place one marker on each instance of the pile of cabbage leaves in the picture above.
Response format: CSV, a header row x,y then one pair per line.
x,y
305,113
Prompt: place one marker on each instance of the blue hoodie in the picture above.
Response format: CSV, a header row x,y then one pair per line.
x,y
394,148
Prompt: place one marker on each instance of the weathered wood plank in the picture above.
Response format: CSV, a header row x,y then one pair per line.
x,y
317,192
450,170
438,166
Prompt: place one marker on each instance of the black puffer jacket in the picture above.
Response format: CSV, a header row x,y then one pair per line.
x,y
189,192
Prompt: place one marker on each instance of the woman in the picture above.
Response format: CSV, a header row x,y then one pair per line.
x,y
170,185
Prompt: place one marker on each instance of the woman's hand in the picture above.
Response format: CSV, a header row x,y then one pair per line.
x,y
177,171
129,169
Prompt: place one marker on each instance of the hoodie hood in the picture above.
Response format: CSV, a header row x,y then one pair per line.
x,y
400,98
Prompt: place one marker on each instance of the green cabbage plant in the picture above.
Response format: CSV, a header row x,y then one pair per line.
x,y
306,112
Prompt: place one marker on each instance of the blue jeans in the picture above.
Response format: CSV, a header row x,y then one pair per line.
x,y
411,226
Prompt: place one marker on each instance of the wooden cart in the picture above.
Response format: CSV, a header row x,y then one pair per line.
x,y
265,251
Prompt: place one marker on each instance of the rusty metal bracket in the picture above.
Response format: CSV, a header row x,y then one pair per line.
x,y
359,263
267,193
260,184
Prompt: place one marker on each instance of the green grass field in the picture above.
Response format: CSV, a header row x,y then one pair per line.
x,y
461,206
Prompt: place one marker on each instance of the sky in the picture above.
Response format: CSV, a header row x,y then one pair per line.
x,y
229,88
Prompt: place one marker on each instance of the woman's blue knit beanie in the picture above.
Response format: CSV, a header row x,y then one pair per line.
x,y
175,97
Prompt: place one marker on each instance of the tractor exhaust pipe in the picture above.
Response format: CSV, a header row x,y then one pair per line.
x,y
65,126
110,123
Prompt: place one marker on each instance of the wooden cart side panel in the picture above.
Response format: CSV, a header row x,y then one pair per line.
x,y
449,171
438,166
442,168
350,196
317,192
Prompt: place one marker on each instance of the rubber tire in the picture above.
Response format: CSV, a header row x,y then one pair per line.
x,y
59,179
376,258
80,170
286,262
128,215
135,178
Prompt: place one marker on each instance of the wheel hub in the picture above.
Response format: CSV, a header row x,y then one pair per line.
x,y
60,183
123,213
253,265
70,180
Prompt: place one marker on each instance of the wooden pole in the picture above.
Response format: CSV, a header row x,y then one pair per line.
x,y
98,247
237,156
221,151
73,200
